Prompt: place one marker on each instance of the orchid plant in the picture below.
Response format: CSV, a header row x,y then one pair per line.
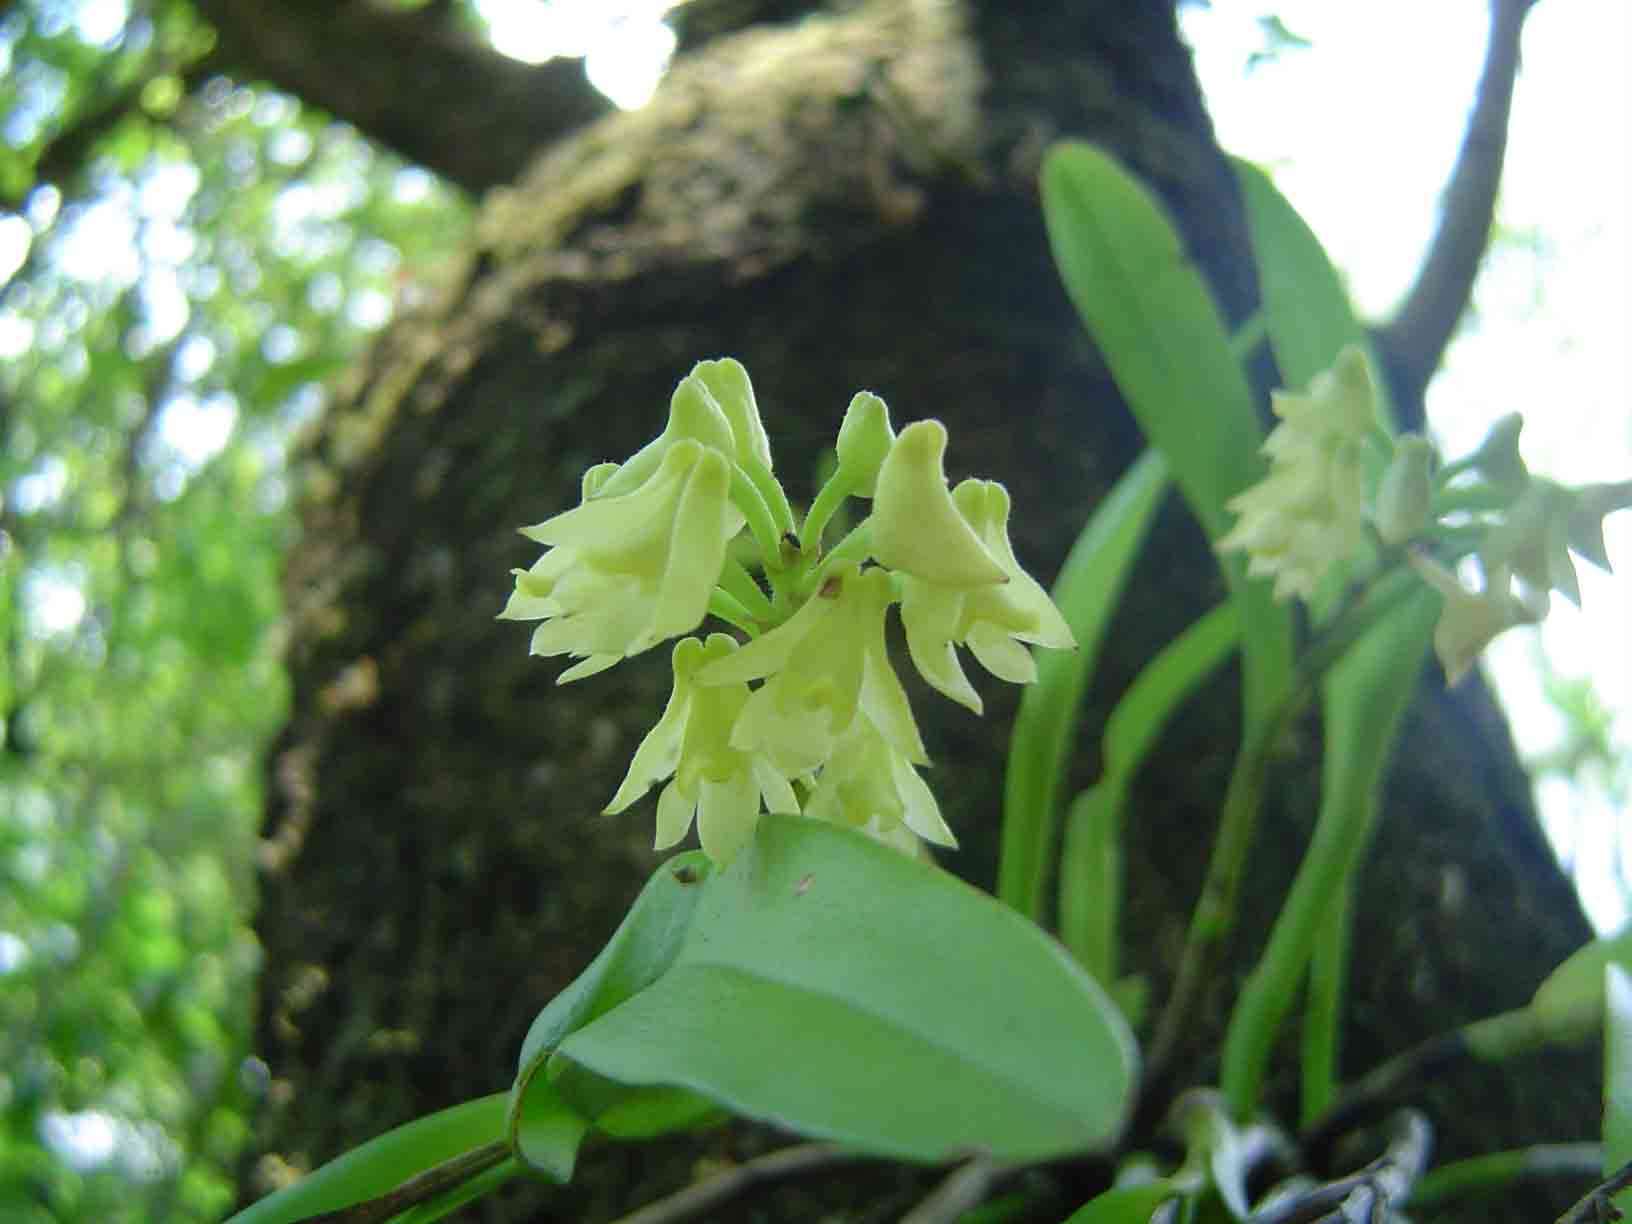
x,y
814,917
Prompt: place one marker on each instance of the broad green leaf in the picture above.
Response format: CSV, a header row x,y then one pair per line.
x,y
839,988
1090,866
1045,728
1124,1204
545,1132
1617,1074
642,947
1569,1004
1149,311
384,1163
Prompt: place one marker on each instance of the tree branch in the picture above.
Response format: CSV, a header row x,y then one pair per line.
x,y
411,80
1411,344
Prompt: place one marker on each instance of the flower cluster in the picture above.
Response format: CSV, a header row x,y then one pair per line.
x,y
1341,493
1307,514
806,715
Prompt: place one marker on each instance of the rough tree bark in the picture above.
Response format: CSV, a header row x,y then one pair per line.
x,y
847,202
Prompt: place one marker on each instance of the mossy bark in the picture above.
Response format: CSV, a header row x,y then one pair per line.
x,y
842,204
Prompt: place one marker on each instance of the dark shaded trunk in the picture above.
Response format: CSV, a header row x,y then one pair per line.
x,y
843,204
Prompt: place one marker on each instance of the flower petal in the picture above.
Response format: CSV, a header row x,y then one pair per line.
x,y
916,528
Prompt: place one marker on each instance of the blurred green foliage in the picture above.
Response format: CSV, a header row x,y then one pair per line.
x,y
183,261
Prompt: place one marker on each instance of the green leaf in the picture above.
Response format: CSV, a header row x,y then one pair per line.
x,y
643,946
1569,1004
1045,727
1617,1074
444,1205
384,1163
1090,867
545,1132
836,987
1366,695
1150,313
1124,1204
1306,308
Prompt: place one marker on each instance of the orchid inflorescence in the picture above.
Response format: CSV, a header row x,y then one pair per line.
x,y
806,715
1341,492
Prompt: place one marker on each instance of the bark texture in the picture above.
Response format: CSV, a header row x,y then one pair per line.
x,y
845,203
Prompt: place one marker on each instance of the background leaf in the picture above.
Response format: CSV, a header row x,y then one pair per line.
x,y
1306,309
1569,1003
1090,866
1124,1205
1366,696
1089,585
385,1162
834,986
1151,315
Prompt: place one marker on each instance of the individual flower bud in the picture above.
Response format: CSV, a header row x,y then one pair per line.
x,y
625,572
826,663
714,783
993,621
1497,458
694,415
1469,620
865,438
727,381
1533,541
870,784
1405,496
916,529
1585,524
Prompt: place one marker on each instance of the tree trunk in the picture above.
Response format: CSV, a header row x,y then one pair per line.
x,y
847,203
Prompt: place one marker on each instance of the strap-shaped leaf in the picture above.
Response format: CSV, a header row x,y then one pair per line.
x,y
1569,1004
1086,593
1154,320
1090,865
386,1162
836,987
1366,696
1149,311
1124,1204
1306,309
